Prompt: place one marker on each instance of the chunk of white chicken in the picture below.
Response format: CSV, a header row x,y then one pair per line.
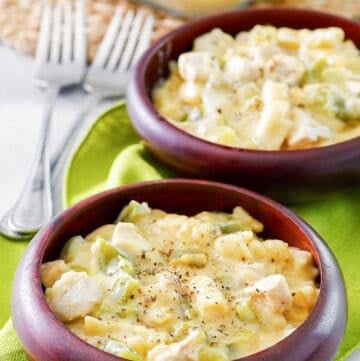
x,y
187,349
166,289
249,273
74,295
216,100
270,297
274,291
285,68
305,130
239,69
127,239
273,126
50,272
246,220
197,65
303,263
328,38
353,86
273,91
264,52
235,245
194,233
104,232
288,38
216,41
209,300
76,253
274,123
163,301
190,93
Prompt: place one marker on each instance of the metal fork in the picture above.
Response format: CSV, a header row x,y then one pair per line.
x,y
127,37
60,61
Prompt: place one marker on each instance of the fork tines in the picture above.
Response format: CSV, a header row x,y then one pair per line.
x,y
127,37
62,37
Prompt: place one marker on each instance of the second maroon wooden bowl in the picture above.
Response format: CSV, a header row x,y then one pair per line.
x,y
45,338
287,175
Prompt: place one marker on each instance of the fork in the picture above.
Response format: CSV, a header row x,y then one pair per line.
x,y
127,37
60,61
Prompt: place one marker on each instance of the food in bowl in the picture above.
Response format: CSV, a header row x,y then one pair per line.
x,y
158,286
268,88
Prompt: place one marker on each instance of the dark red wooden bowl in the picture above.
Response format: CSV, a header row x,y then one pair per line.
x,y
287,175
46,339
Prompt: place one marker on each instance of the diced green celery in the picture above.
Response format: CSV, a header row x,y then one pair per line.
x,y
111,306
244,310
78,268
315,71
117,348
108,254
207,353
241,340
107,306
340,106
126,265
124,287
231,226
133,210
185,330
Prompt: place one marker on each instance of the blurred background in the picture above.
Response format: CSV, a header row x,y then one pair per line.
x,y
19,19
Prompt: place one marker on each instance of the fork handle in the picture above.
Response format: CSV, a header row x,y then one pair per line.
x,y
62,153
34,206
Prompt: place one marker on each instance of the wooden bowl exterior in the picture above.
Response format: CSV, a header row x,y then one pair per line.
x,y
45,338
287,175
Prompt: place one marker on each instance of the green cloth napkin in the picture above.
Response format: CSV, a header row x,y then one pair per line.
x,y
111,154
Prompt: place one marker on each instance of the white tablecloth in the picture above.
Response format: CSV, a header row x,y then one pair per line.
x,y
21,106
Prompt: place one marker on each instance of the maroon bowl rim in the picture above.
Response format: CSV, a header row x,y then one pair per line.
x,y
150,112
27,275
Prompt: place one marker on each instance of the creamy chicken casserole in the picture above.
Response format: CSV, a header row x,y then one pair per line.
x,y
157,286
268,88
